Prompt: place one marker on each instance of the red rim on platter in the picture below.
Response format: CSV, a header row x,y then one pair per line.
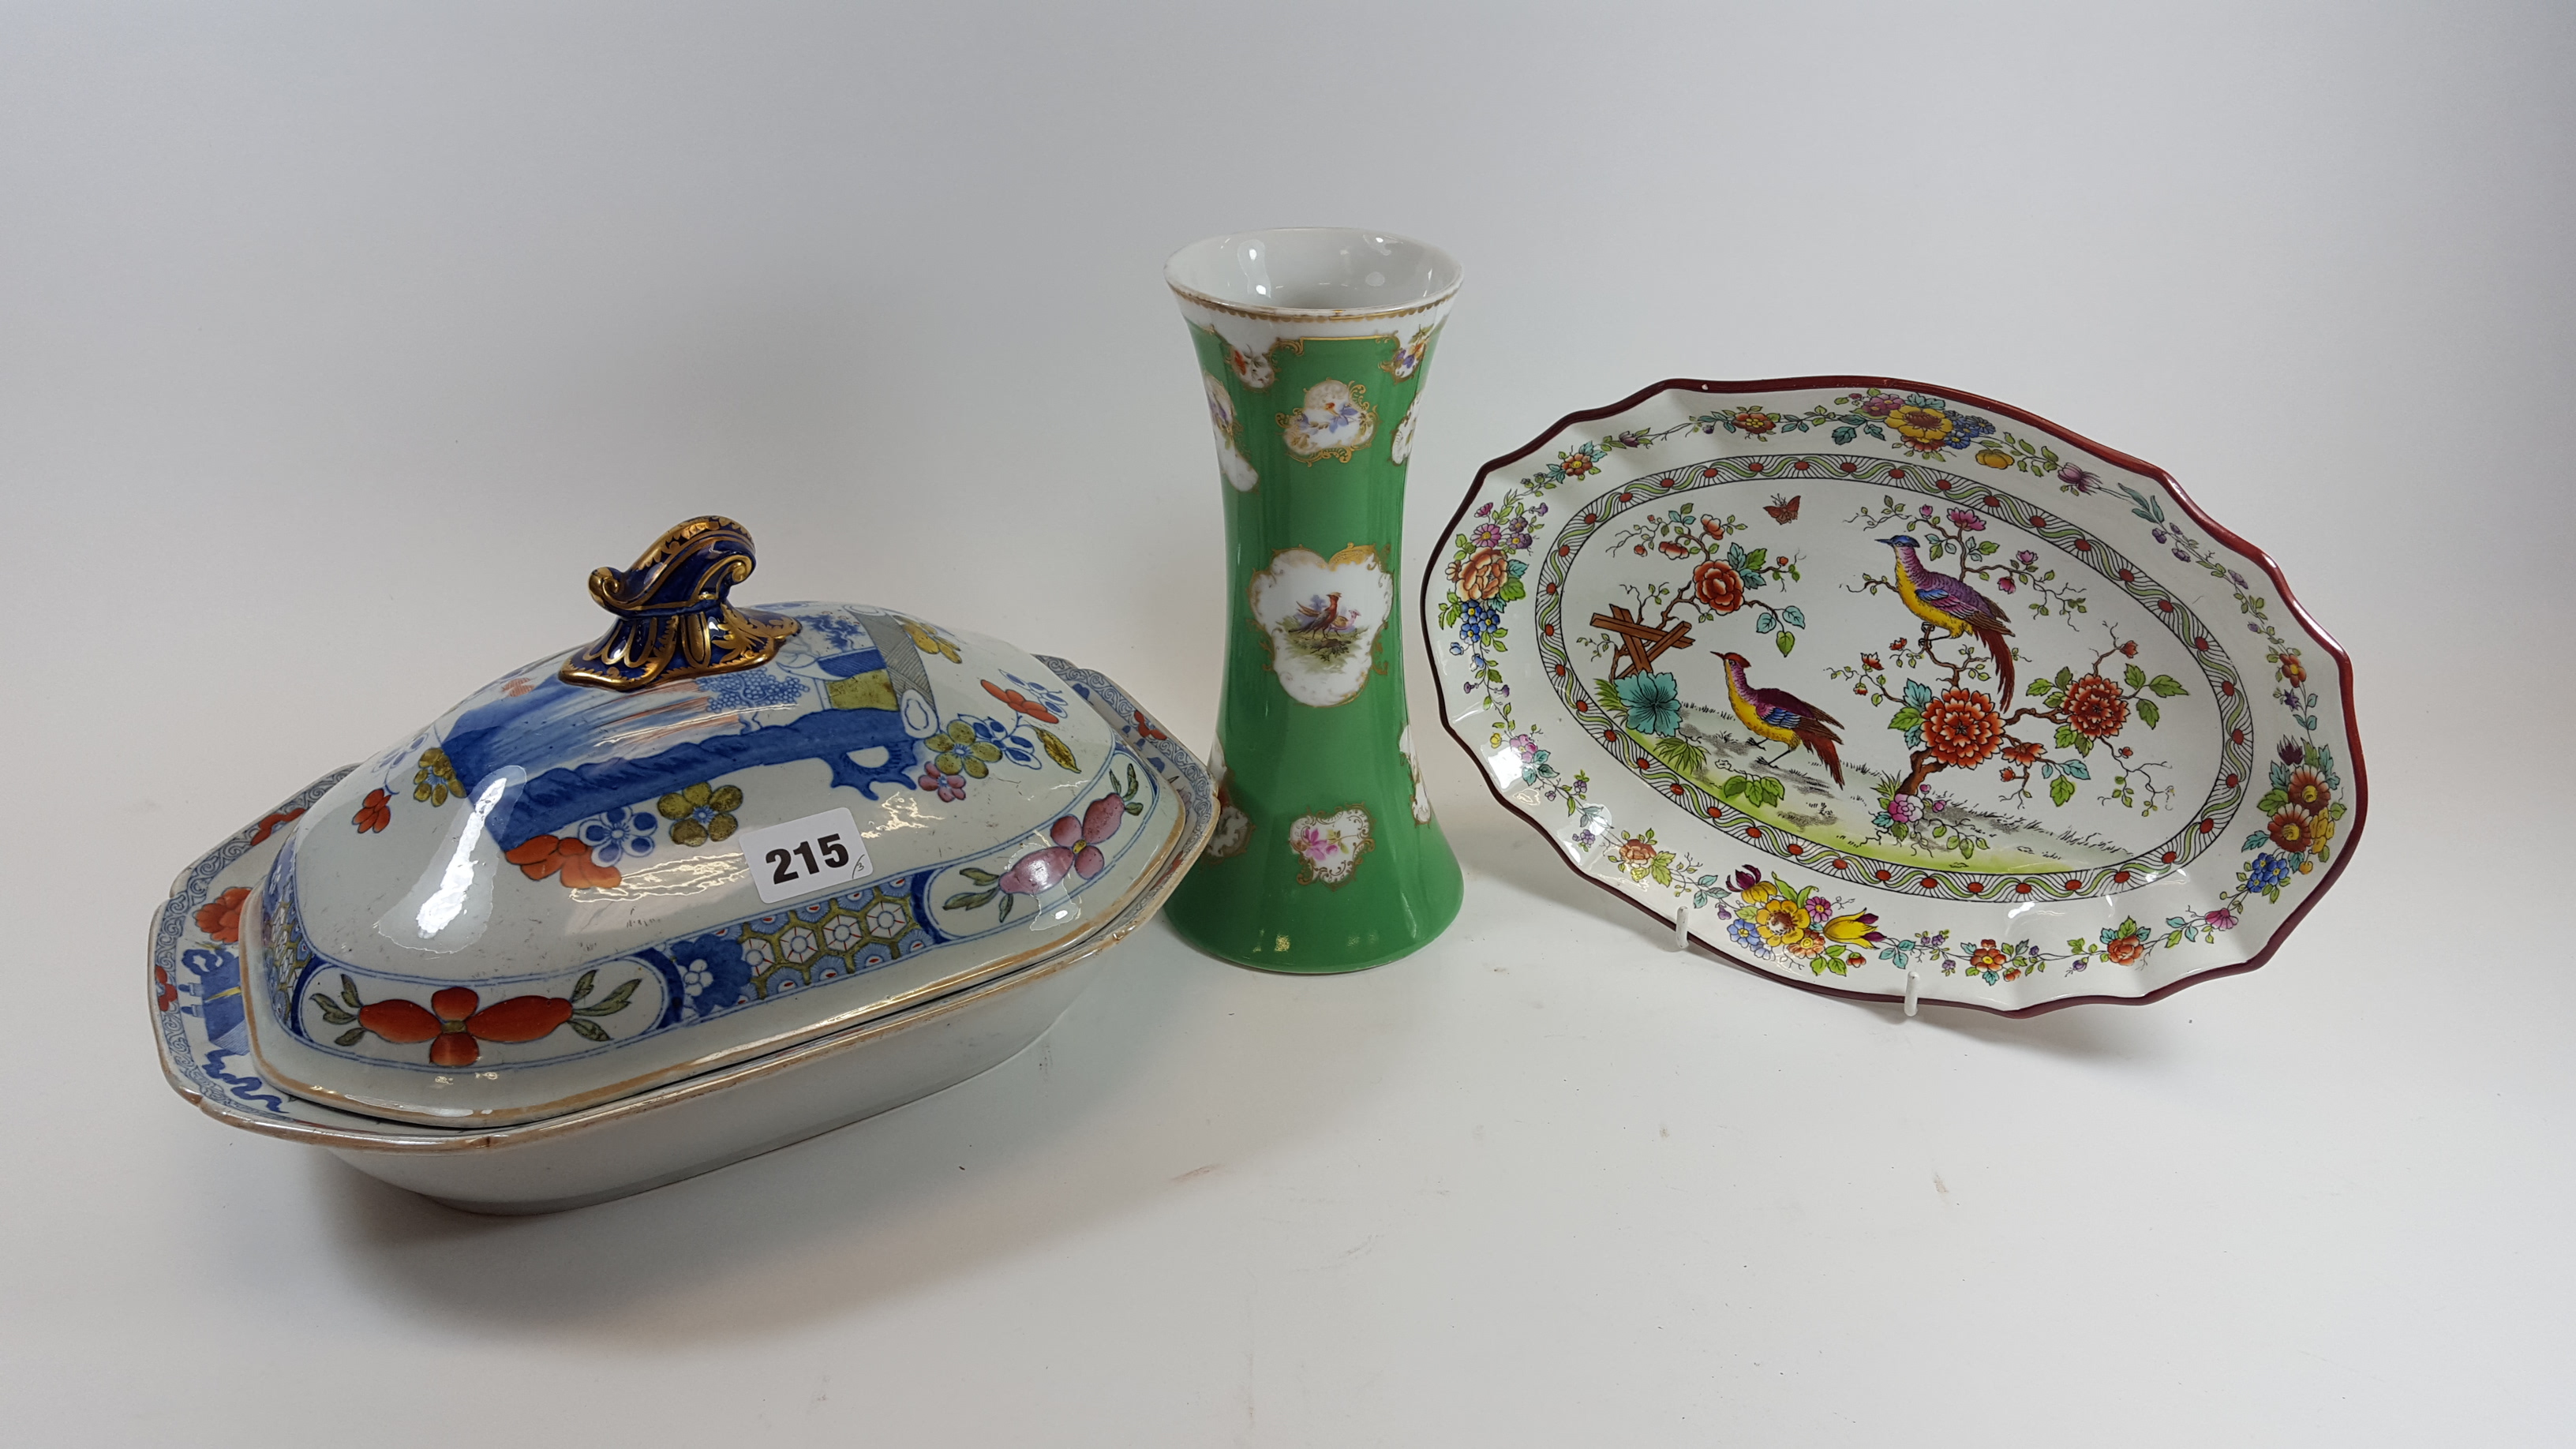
x,y
1891,691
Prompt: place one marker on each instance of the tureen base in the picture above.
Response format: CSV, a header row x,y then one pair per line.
x,y
915,1055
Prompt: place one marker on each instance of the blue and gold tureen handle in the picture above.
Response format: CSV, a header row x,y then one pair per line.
x,y
673,618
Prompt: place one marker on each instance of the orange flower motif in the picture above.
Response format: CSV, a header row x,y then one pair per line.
x,y
1755,421
2127,950
2307,790
1578,464
456,1023
1637,850
1988,956
220,918
268,823
1718,586
455,1030
566,858
2292,670
375,814
2293,831
2023,752
1018,701
2095,707
1961,728
1482,574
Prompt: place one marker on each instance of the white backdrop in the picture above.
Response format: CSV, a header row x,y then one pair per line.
x,y
338,343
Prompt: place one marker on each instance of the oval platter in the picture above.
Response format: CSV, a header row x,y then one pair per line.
x,y
1891,691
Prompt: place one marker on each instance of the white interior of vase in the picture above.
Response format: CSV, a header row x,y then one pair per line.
x,y
1313,269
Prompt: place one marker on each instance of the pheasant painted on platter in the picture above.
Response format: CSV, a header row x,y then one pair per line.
x,y
1949,603
1782,718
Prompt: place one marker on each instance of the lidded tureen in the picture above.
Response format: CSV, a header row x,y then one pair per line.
x,y
713,836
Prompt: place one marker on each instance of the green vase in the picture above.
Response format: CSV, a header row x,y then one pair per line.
x,y
1314,346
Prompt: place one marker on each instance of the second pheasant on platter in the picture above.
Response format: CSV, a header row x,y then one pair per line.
x,y
1886,682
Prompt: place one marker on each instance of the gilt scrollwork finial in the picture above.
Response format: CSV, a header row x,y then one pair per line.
x,y
674,620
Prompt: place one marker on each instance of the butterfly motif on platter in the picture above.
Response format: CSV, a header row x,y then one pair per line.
x,y
1783,510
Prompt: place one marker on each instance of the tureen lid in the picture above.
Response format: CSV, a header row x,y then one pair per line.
x,y
710,833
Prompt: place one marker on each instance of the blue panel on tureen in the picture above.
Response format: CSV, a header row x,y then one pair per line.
x,y
834,693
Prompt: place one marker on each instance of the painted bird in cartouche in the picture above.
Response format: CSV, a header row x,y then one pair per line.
x,y
1949,603
1323,615
1782,718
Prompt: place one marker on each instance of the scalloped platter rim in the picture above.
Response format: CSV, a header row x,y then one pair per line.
x,y
1890,691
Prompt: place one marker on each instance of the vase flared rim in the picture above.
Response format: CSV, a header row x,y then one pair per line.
x,y
1442,278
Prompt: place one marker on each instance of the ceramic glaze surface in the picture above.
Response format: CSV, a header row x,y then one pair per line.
x,y
196,978
542,899
1312,270
1315,347
1875,681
